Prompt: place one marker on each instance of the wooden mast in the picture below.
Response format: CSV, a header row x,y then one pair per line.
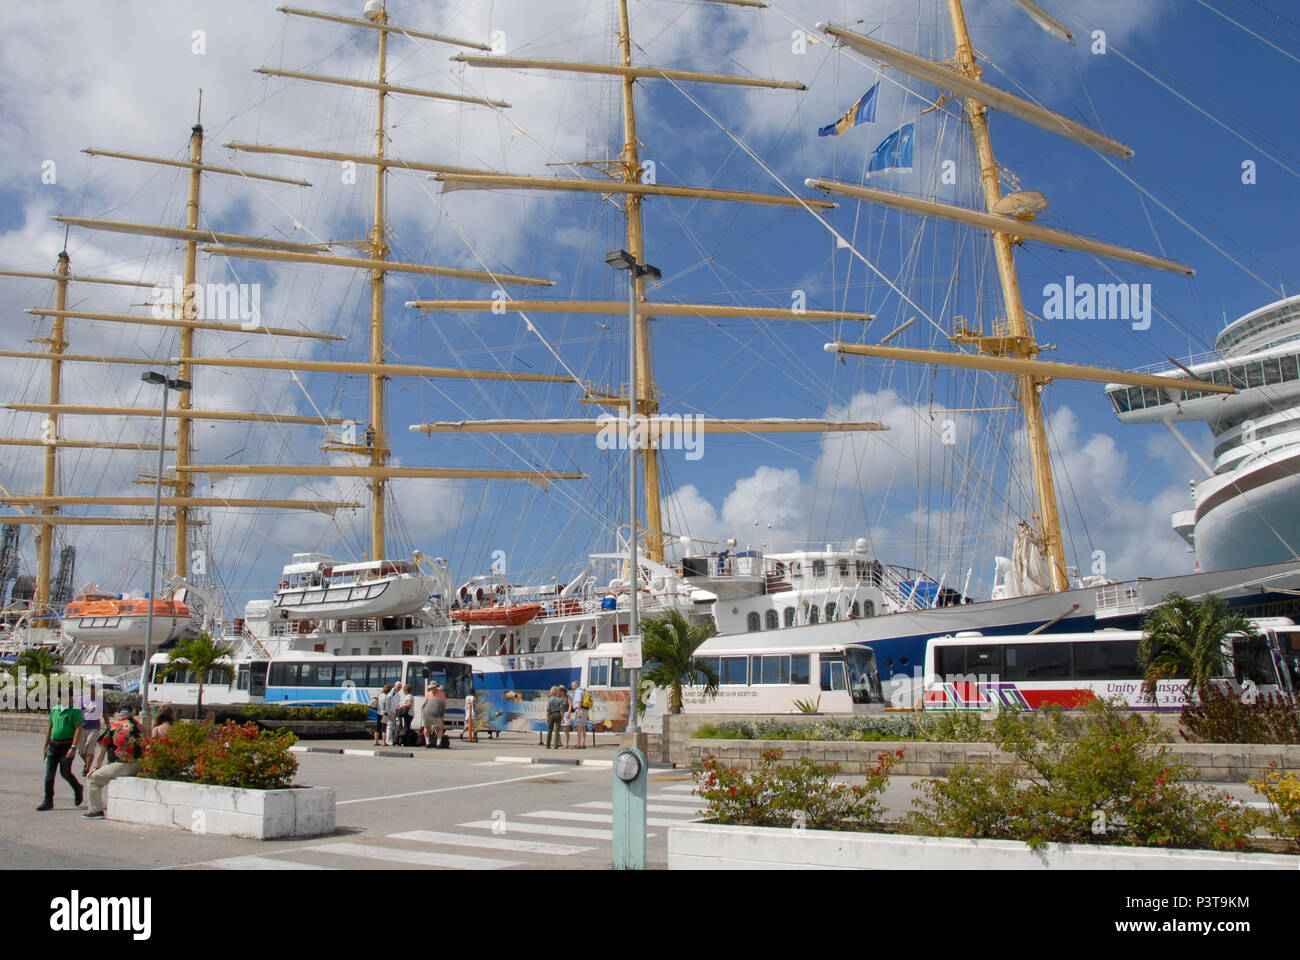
x,y
50,434
190,311
377,433
647,398
1021,341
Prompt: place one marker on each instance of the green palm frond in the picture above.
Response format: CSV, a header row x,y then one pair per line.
x,y
668,651
200,655
39,660
1183,638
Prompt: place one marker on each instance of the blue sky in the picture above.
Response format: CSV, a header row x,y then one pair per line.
x,y
133,87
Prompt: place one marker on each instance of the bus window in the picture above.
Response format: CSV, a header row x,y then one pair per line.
x,y
284,675
799,668
1252,659
833,677
618,677
712,662
598,672
242,679
1108,660
776,669
734,670
985,659
384,672
948,661
1037,661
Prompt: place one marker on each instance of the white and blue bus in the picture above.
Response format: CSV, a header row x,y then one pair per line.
x,y
322,679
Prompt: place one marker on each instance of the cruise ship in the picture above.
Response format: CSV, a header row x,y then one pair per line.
x,y
1246,504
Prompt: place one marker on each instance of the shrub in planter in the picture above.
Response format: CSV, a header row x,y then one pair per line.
x,y
803,794
1283,795
273,711
231,755
115,700
1220,717
1096,776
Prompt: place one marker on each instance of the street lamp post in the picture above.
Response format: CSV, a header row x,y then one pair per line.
x,y
622,260
167,384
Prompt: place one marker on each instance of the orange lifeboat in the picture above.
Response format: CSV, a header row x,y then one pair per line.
x,y
513,616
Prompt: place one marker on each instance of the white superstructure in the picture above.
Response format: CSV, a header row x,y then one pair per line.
x,y
1246,503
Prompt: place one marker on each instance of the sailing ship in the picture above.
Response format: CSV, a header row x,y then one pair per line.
x,y
841,595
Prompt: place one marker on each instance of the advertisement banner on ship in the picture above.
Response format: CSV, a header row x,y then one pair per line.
x,y
524,711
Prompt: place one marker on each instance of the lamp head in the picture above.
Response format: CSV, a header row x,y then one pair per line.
x,y
153,376
620,260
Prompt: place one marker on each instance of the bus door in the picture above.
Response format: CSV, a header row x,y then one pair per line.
x,y
257,678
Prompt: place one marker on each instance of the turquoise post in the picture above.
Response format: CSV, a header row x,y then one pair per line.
x,y
630,811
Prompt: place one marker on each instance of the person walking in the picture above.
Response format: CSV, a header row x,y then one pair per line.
x,y
469,733
435,712
381,715
91,710
60,748
556,706
121,748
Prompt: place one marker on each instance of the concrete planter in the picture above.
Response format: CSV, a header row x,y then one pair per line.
x,y
710,846
222,811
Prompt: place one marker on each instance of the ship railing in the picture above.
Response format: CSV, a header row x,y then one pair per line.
x,y
1114,599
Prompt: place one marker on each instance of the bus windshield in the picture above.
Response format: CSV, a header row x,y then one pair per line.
x,y
864,677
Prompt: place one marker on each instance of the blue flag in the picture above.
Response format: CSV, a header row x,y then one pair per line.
x,y
894,152
864,111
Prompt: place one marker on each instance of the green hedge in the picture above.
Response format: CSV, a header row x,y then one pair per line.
x,y
340,712
948,727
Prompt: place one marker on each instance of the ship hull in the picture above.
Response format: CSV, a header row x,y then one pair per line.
x,y
899,639
127,631
1256,518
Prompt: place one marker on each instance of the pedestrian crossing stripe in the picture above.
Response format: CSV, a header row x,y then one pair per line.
x,y
597,817
505,842
651,807
548,829
423,858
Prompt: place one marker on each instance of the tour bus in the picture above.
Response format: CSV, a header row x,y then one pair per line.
x,y
247,684
969,671
322,679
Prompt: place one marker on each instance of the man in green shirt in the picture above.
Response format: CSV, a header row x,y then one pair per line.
x,y
60,747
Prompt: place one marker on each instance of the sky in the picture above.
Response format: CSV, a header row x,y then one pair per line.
x,y
1196,96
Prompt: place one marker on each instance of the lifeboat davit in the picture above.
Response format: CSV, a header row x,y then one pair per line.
x,y
513,616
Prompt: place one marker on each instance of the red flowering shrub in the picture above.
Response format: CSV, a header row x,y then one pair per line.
x,y
231,755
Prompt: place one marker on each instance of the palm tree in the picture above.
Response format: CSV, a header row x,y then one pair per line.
x,y
40,660
668,649
40,664
201,656
1184,638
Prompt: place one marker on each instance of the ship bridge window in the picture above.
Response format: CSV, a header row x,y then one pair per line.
x,y
753,623
844,568
773,620
1254,374
1273,370
830,611
868,608
789,616
813,614
819,568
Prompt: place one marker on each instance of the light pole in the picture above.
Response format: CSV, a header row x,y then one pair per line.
x,y
167,384
622,260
